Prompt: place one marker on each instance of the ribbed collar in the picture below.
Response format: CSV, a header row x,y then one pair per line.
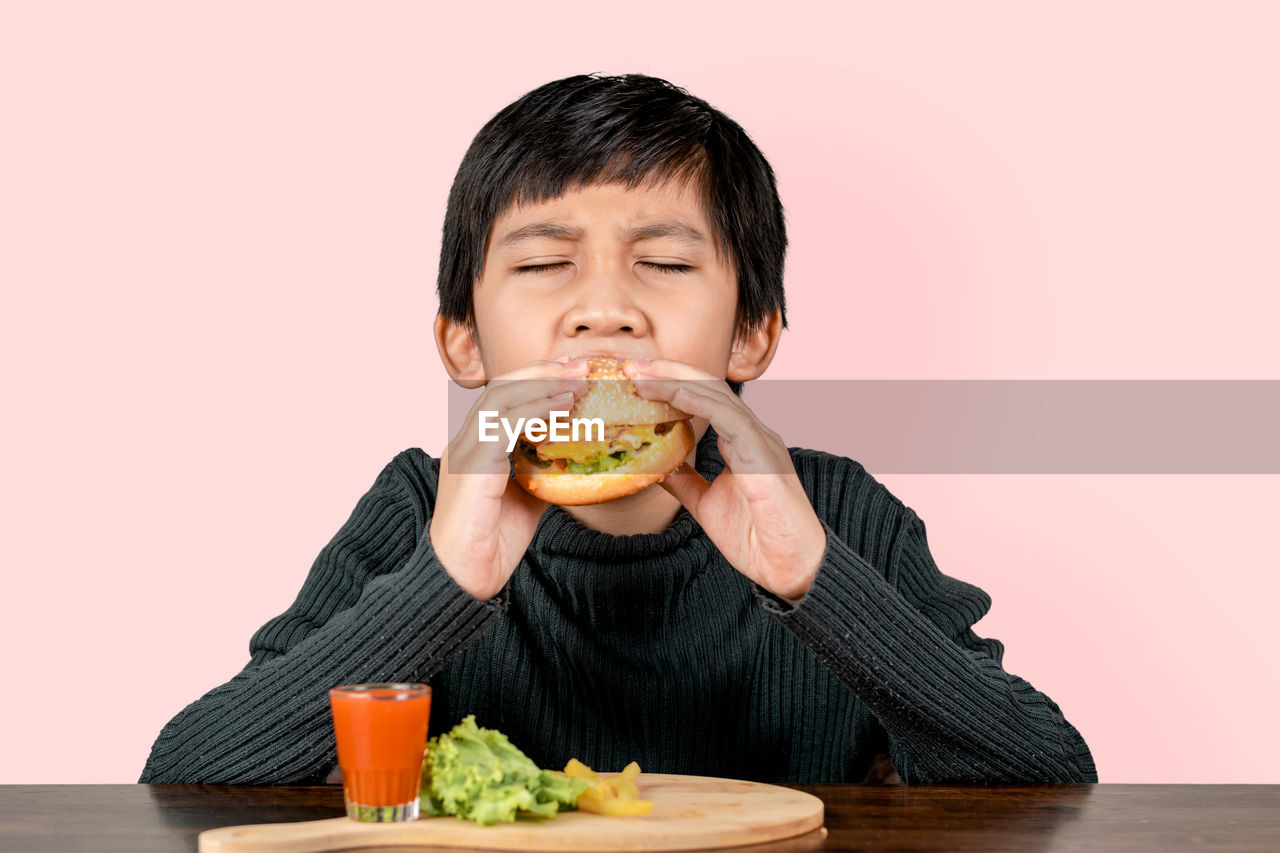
x,y
559,533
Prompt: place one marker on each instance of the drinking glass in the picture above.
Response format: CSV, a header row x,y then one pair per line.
x,y
381,731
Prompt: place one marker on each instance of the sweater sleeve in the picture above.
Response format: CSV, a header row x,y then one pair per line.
x,y
904,644
376,606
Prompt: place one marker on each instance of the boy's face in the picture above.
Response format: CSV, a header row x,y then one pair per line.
x,y
603,270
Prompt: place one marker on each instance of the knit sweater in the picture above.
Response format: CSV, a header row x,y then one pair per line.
x,y
647,647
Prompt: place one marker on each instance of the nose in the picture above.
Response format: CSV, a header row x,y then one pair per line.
x,y
604,304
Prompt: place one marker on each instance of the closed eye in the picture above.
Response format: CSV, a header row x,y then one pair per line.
x,y
668,268
541,268
665,268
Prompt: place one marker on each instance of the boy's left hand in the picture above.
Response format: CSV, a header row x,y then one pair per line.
x,y
763,523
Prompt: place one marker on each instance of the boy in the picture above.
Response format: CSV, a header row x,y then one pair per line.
x,y
782,628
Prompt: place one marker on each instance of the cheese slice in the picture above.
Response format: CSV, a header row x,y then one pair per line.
x,y
615,438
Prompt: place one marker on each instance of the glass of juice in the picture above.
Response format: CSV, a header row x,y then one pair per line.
x,y
381,731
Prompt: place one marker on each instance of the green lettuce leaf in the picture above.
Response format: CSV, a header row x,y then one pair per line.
x,y
477,774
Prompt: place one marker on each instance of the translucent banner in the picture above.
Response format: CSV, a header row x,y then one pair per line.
x,y
1010,426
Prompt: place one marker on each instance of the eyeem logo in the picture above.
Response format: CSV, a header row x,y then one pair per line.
x,y
536,429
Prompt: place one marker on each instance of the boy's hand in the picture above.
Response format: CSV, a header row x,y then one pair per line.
x,y
763,523
483,521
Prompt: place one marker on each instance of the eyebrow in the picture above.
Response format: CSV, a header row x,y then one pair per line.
x,y
673,228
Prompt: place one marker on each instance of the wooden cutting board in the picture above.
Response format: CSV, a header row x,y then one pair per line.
x,y
689,813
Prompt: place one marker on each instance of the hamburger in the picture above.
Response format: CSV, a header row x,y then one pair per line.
x,y
644,440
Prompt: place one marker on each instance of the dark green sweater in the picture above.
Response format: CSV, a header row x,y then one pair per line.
x,y
648,647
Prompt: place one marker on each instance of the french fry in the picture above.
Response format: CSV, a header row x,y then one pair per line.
x,y
616,806
601,790
615,795
577,770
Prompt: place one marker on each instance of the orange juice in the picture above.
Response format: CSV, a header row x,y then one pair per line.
x,y
381,731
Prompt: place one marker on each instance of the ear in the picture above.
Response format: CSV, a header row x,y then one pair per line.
x,y
459,352
752,353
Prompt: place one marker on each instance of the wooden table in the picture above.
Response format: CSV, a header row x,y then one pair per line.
x,y
141,818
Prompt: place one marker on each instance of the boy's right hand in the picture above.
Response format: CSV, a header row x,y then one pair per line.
x,y
483,520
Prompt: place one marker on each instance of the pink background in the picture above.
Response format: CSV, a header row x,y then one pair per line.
x,y
221,228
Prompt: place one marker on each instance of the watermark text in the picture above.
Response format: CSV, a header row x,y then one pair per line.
x,y
536,430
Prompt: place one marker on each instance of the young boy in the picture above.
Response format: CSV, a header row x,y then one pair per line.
x,y
782,628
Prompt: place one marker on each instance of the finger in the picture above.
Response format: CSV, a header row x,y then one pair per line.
x,y
666,390
682,374
544,369
530,382
539,407
505,395
686,485
730,417
532,390
667,368
745,444
491,455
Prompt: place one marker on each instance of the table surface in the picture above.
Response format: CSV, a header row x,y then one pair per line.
x,y
141,818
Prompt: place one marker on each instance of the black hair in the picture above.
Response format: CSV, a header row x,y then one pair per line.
x,y
633,129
